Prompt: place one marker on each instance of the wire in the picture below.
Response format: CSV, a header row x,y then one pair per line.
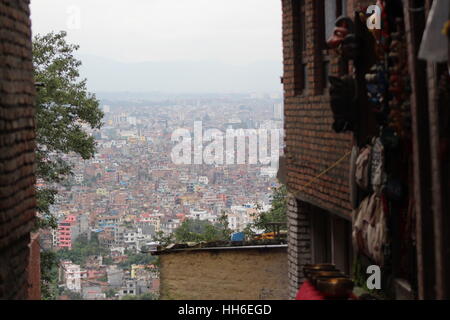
x,y
326,171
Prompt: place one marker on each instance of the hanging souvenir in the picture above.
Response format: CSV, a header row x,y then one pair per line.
x,y
399,84
369,234
378,176
343,103
352,178
362,171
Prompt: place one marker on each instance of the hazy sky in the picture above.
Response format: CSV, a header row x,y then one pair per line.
x,y
231,31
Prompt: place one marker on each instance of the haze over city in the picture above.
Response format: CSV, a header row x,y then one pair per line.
x,y
171,46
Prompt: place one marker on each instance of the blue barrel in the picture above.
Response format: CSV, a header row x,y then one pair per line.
x,y
238,236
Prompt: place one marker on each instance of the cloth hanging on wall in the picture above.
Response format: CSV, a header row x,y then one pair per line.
x,y
434,46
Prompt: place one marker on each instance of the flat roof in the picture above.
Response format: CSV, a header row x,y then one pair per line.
x,y
219,246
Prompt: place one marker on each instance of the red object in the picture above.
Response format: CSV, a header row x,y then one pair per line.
x,y
308,292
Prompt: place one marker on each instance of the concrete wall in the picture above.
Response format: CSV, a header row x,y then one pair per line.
x,y
240,274
17,145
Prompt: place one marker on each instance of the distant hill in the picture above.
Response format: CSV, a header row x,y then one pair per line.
x,y
106,75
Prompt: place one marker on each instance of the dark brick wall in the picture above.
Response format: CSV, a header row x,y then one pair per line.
x,y
17,144
311,145
34,268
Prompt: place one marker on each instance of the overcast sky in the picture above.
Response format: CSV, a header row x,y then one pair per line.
x,y
231,31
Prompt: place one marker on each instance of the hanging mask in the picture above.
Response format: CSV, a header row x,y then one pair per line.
x,y
343,103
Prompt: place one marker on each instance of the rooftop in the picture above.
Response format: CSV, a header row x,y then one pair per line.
x,y
221,245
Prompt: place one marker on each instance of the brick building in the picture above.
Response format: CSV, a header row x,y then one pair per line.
x,y
17,145
320,152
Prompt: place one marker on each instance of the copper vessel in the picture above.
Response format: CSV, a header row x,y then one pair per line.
x,y
313,276
318,267
335,288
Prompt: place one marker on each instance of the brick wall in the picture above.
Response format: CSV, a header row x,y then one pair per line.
x,y
311,145
17,144
299,238
34,268
232,274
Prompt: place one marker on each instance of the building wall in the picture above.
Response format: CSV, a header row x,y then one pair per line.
x,y
311,144
299,248
17,144
34,269
241,274
312,147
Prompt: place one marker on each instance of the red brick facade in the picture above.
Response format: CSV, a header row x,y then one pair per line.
x,y
311,145
34,269
319,208
17,145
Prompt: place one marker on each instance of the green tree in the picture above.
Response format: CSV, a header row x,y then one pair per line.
x,y
83,248
73,295
64,108
163,239
144,296
148,296
49,275
224,226
110,293
138,258
277,213
198,230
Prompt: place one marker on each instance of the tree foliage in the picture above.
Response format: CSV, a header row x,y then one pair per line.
x,y
138,258
64,109
72,295
49,275
82,249
144,296
276,214
197,231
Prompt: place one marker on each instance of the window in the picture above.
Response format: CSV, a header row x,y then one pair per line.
x,y
321,233
300,46
302,26
326,11
320,18
341,8
305,75
341,244
331,239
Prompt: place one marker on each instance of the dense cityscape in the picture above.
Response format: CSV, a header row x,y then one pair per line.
x,y
131,192
241,151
